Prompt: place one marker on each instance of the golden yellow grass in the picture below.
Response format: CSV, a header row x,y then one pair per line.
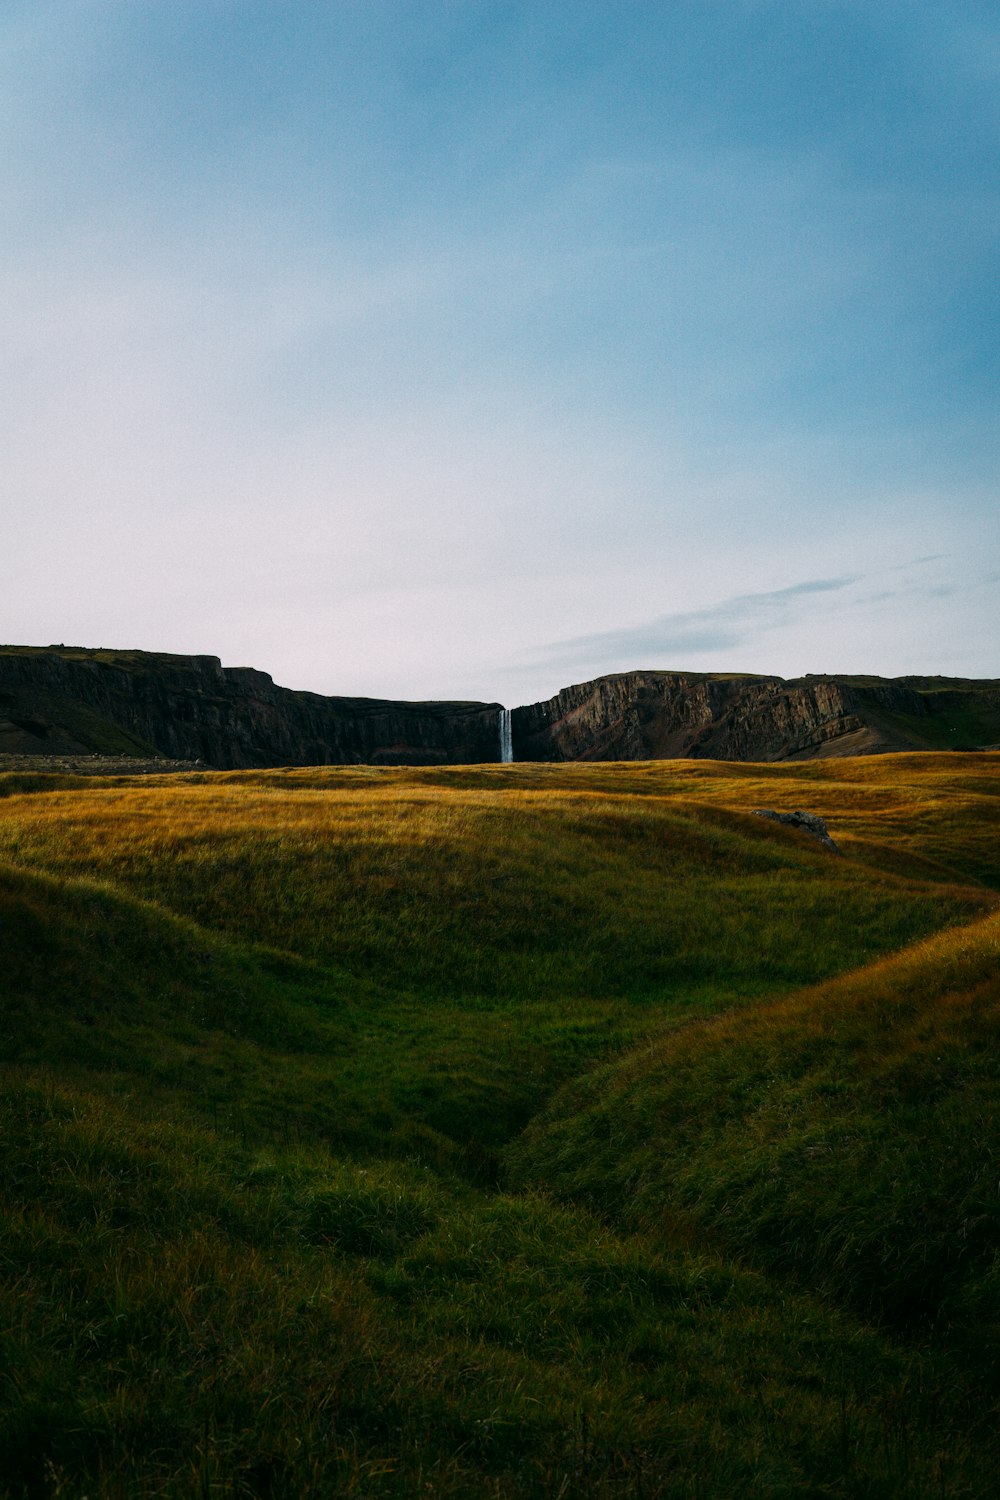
x,y
921,804
550,879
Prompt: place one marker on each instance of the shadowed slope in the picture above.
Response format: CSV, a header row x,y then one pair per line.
x,y
846,1136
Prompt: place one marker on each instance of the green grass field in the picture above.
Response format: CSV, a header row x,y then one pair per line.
x,y
508,1131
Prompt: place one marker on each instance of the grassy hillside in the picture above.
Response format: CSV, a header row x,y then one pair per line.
x,y
846,1136
513,1131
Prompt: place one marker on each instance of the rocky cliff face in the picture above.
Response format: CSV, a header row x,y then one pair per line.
x,y
668,715
59,700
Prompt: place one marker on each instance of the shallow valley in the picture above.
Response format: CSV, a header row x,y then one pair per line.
x,y
538,1129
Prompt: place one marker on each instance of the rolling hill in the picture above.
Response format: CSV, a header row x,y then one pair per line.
x,y
511,1130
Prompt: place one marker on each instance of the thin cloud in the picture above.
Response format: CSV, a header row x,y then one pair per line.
x,y
730,624
917,562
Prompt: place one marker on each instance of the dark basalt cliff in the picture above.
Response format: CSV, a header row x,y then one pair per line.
x,y
59,700
671,715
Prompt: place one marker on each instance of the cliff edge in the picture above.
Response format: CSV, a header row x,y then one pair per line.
x,y
690,715
63,700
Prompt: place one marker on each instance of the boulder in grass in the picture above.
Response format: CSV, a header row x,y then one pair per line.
x,y
807,822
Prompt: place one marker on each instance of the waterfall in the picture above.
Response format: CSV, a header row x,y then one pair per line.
x,y
506,738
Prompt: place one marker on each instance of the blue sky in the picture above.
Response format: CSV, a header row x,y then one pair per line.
x,y
466,349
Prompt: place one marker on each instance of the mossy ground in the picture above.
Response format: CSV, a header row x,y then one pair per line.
x,y
530,1130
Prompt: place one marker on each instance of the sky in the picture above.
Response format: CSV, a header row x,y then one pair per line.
x,y
472,348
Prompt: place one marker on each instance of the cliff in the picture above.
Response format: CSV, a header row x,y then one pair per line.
x,y
671,715
62,700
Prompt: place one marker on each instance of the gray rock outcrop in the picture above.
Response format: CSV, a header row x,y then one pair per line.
x,y
805,822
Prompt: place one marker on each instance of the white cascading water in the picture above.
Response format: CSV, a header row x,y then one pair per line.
x,y
506,738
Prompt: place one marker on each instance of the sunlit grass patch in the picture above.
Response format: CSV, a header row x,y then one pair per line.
x,y
474,894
